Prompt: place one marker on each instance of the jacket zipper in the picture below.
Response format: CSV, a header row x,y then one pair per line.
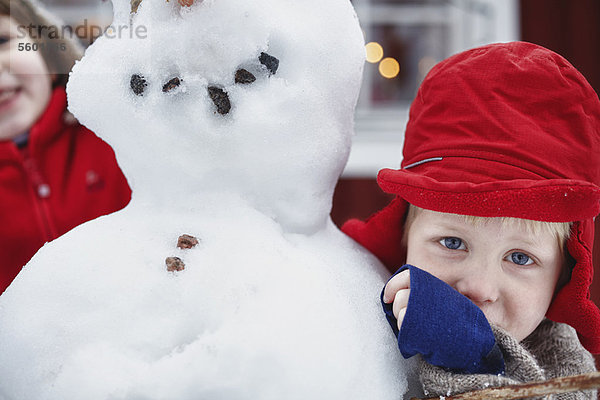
x,y
39,192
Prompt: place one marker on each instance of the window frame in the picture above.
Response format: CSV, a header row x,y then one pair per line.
x,y
379,131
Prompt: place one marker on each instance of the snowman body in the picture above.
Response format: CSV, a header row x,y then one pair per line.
x,y
273,301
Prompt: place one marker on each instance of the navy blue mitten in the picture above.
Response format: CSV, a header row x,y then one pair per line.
x,y
445,327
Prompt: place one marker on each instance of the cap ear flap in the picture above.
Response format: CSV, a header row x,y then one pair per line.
x,y
382,233
572,304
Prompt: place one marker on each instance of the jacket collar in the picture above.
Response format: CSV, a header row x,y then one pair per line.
x,y
51,123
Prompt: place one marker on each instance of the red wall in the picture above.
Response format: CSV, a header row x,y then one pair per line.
x,y
572,29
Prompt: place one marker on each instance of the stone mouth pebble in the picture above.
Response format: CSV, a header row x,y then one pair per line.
x,y
184,242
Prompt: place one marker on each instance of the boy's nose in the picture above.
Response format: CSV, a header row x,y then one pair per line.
x,y
479,284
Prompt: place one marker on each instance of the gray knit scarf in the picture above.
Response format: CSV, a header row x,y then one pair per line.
x,y
551,351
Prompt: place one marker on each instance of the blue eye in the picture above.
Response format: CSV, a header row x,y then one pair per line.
x,y
452,243
520,258
4,39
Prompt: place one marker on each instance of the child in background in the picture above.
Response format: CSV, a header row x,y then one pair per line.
x,y
54,173
496,198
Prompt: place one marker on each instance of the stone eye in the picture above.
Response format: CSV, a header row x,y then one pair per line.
x,y
243,76
172,84
270,62
138,84
220,99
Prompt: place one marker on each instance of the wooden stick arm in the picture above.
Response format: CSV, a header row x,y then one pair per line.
x,y
512,392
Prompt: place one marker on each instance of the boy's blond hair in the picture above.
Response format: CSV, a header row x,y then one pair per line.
x,y
59,55
560,230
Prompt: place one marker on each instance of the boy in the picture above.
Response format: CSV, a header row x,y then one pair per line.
x,y
507,130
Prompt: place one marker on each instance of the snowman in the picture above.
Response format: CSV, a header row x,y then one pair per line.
x,y
224,278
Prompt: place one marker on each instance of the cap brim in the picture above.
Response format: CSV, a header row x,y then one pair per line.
x,y
551,200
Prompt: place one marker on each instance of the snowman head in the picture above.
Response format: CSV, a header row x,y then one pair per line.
x,y
252,98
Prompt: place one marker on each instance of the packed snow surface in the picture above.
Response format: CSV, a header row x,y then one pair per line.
x,y
273,302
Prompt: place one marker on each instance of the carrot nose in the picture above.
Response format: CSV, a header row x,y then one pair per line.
x,y
134,5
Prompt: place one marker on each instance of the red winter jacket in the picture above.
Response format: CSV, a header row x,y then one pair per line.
x,y
65,176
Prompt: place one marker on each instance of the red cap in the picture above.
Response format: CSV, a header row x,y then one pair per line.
x,y
504,130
